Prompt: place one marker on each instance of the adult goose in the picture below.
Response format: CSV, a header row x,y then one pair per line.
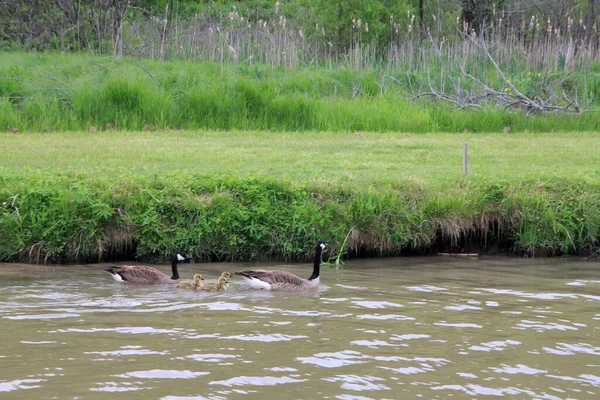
x,y
283,280
147,275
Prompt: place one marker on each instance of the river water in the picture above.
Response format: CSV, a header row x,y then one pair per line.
x,y
397,328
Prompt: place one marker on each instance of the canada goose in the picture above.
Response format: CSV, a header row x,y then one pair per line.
x,y
195,284
282,280
217,286
145,274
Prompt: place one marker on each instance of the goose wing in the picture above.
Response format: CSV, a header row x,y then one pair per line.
x,y
139,274
288,287
273,277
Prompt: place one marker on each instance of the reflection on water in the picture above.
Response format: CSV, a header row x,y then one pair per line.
x,y
392,328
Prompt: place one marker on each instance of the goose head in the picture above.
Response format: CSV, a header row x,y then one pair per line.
x,y
182,257
321,244
197,279
226,275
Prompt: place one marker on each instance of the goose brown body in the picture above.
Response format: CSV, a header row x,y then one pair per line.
x,y
283,280
143,274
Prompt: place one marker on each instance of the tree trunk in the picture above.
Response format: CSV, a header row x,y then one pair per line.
x,y
421,22
590,20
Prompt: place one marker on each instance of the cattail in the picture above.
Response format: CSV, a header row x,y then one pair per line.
x,y
322,31
330,45
211,30
301,34
231,50
412,20
366,27
457,19
391,19
276,7
433,16
358,23
409,29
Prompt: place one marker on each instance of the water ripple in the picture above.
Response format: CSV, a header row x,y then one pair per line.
x,y
495,345
333,360
458,325
359,383
162,374
385,317
257,381
570,349
277,337
19,384
118,387
518,369
376,304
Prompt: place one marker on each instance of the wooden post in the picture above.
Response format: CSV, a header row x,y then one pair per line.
x,y
465,153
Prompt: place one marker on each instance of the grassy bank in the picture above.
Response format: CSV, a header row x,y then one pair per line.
x,y
253,195
47,92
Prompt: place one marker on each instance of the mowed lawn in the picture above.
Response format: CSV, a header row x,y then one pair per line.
x,y
353,159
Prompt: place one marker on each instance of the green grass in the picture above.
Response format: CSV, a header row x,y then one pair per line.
x,y
345,159
61,92
242,195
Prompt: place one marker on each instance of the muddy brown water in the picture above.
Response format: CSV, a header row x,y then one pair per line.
x,y
395,328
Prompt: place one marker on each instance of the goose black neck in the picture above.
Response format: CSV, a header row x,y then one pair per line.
x,y
174,269
317,267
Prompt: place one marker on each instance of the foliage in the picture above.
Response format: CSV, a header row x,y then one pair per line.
x,y
45,92
252,196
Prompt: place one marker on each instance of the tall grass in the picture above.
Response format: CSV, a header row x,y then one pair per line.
x,y
550,43
66,92
249,196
